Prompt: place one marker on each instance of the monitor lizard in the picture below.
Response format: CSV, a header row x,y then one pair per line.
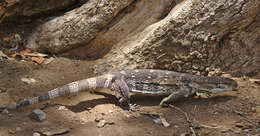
x,y
140,81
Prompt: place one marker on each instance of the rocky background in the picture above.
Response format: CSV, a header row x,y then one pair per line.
x,y
45,44
200,37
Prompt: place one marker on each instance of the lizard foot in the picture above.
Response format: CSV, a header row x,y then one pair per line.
x,y
124,104
164,104
134,107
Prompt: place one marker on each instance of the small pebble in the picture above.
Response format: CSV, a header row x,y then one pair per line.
x,y
11,131
28,80
214,125
110,122
157,121
5,111
62,108
101,123
238,112
247,130
149,133
10,115
127,115
239,125
225,130
36,134
98,119
18,129
2,90
184,134
164,122
175,126
237,131
38,115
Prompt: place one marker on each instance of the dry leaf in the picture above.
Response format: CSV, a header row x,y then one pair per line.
x,y
27,50
14,54
11,2
203,95
35,54
77,65
7,52
257,82
38,60
164,122
28,80
8,38
47,61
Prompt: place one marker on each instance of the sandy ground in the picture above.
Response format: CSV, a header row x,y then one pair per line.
x,y
228,114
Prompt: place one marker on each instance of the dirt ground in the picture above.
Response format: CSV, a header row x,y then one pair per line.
x,y
226,114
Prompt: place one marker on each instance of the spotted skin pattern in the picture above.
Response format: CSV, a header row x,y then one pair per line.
x,y
140,81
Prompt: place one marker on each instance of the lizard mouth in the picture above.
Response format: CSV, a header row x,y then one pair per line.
x,y
213,89
218,90
206,93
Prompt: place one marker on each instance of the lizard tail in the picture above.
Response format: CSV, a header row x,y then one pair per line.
x,y
74,87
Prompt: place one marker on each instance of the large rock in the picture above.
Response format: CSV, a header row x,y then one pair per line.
x,y
17,10
77,27
125,26
196,37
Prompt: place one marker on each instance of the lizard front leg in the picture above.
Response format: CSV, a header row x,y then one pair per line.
x,y
178,94
122,89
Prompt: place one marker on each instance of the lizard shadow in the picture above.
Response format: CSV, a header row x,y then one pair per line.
x,y
155,100
89,104
143,100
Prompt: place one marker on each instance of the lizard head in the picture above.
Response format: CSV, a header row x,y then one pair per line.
x,y
122,89
215,85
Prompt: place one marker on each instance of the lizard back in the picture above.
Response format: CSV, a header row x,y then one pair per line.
x,y
150,81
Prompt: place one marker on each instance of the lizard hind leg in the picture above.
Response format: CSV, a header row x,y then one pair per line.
x,y
122,89
176,95
171,98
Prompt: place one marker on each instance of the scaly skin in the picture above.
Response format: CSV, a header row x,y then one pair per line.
x,y
140,81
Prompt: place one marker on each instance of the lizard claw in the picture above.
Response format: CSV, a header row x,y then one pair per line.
x,y
134,107
164,104
127,105
124,104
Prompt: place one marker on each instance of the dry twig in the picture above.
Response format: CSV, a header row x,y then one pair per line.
x,y
191,125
